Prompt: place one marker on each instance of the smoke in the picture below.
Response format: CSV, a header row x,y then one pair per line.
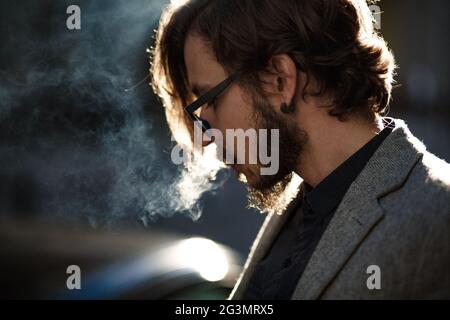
x,y
87,149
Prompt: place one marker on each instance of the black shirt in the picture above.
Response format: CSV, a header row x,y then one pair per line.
x,y
277,274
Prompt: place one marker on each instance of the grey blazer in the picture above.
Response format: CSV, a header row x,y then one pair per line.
x,y
395,216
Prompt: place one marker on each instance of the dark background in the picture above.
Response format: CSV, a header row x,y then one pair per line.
x,y
78,150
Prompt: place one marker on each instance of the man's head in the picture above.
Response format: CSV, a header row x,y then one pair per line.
x,y
321,54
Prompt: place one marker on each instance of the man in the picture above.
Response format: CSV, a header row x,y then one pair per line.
x,y
371,218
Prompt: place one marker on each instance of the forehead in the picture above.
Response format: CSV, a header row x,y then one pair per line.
x,y
203,70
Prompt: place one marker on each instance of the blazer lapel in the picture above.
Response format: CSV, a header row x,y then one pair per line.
x,y
347,229
359,211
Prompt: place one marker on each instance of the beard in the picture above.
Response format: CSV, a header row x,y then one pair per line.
x,y
267,193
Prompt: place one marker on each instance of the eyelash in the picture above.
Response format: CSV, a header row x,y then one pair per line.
x,y
213,103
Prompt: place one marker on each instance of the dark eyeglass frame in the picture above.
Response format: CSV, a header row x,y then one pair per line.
x,y
207,98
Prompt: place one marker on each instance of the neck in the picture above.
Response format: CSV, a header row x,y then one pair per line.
x,y
330,143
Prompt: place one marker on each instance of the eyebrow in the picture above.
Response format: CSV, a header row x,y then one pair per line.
x,y
198,90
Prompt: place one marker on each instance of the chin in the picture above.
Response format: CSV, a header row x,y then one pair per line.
x,y
249,174
256,182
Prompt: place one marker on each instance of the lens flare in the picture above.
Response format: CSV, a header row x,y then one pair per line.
x,y
204,256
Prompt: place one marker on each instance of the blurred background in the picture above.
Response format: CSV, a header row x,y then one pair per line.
x,y
85,170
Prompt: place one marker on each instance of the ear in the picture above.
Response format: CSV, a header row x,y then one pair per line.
x,y
280,79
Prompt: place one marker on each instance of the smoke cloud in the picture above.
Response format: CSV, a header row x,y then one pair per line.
x,y
76,146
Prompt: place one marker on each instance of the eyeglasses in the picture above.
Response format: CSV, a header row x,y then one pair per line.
x,y
205,99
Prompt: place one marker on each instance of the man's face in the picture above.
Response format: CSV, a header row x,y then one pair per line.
x,y
234,109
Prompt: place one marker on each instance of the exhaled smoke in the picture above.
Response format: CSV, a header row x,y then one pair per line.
x,y
88,149
197,177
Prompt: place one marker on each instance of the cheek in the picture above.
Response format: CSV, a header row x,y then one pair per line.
x,y
235,112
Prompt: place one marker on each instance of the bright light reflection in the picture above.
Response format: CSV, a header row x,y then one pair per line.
x,y
204,256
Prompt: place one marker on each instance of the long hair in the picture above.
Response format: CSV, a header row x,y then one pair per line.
x,y
331,41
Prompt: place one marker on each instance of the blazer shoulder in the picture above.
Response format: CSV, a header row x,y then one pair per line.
x,y
424,197
430,178
410,243
436,171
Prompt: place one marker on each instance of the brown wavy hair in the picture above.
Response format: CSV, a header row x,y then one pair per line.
x,y
332,41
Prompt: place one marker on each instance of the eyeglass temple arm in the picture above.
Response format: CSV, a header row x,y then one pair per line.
x,y
210,95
